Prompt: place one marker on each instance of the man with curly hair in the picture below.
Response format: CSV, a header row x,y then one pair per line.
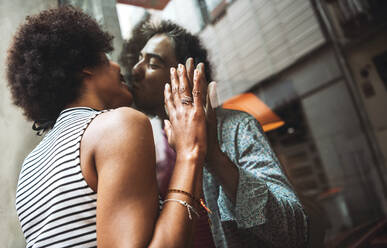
x,y
252,202
91,181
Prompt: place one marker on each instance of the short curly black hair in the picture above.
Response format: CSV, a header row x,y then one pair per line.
x,y
186,44
46,59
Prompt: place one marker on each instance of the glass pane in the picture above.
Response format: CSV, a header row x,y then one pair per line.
x,y
212,4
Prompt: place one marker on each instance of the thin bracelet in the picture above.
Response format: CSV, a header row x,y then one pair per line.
x,y
184,193
185,204
199,201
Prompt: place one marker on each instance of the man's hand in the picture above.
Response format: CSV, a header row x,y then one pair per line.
x,y
213,150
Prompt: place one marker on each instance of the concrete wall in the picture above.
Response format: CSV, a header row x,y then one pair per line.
x,y
344,151
16,136
375,102
337,133
256,39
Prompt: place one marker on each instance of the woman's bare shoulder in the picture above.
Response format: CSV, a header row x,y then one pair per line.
x,y
120,120
122,128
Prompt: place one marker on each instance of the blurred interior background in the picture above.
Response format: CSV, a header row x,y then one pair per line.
x,y
313,72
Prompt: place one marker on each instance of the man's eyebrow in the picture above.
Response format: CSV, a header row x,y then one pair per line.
x,y
157,56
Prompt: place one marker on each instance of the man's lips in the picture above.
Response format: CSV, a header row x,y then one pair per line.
x,y
122,79
126,82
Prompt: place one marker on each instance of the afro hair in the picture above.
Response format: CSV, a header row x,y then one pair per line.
x,y
46,59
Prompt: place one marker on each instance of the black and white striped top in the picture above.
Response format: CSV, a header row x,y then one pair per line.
x,y
55,206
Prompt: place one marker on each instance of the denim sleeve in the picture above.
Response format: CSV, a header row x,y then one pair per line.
x,y
265,202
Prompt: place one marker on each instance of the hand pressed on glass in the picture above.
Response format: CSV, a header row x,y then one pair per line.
x,y
186,128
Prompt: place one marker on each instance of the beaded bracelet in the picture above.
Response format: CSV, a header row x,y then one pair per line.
x,y
184,193
185,204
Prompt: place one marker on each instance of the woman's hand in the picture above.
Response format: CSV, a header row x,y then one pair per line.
x,y
208,93
186,128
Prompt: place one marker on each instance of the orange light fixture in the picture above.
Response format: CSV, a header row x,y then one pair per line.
x,y
147,4
251,104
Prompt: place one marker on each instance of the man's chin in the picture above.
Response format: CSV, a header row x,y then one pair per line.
x,y
147,111
141,108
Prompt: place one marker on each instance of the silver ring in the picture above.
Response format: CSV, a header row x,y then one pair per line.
x,y
187,100
175,90
181,90
196,92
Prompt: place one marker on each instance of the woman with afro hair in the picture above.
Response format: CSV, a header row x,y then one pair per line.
x,y
91,181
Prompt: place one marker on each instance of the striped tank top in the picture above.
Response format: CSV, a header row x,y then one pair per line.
x,y
54,204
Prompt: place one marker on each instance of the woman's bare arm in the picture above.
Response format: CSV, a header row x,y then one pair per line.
x,y
124,159
122,151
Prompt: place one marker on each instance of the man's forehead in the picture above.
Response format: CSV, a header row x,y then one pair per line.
x,y
162,46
